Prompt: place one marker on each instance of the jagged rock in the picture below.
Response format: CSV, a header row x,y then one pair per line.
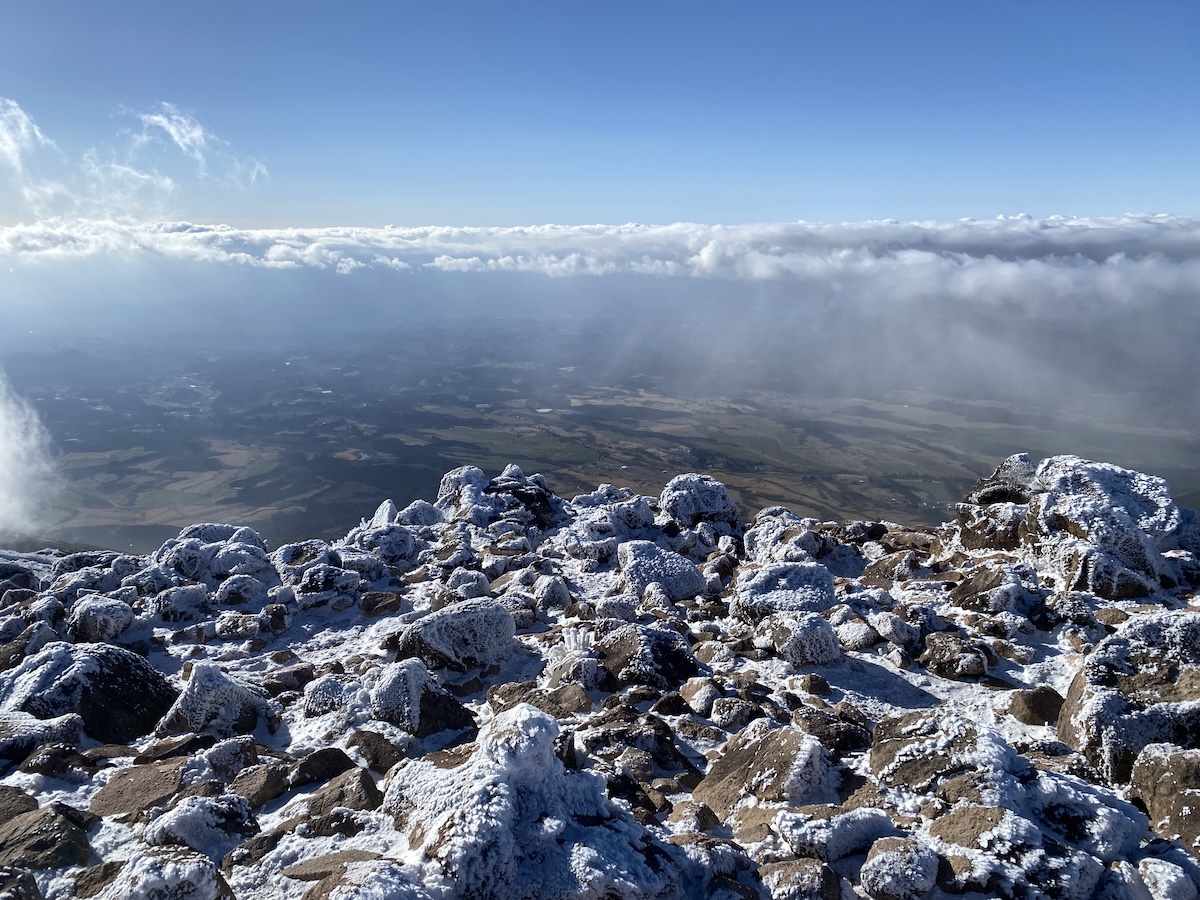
x,y
1166,780
951,655
94,879
14,801
19,884
260,784
380,753
996,526
320,765
800,879
639,654
46,838
1039,706
1139,686
784,765
782,588
118,694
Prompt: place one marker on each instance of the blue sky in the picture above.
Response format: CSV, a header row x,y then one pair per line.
x,y
519,113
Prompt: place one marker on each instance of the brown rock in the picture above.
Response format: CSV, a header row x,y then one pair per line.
x,y
1038,706
139,787
800,879
1167,782
380,753
329,864
762,763
965,826
14,801
352,790
43,839
94,879
320,765
19,884
260,784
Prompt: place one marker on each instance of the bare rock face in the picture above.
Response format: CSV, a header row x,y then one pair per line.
x,y
1139,686
1166,780
782,765
46,838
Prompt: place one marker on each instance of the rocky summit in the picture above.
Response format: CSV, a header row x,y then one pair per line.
x,y
506,694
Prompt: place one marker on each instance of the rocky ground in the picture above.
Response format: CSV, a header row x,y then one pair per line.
x,y
504,694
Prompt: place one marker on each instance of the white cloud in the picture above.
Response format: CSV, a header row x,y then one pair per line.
x,y
135,176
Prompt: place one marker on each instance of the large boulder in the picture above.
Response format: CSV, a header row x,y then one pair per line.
x,y
691,499
795,587
1139,686
460,636
118,694
643,563
1101,528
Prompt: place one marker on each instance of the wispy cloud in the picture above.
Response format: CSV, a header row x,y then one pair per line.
x,y
134,176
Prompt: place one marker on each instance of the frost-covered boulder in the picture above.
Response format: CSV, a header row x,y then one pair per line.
x,y
118,694
95,618
327,585
638,654
795,587
643,563
802,639
203,823
168,873
778,535
691,499
510,821
217,703
1101,528
1141,685
291,561
460,636
405,695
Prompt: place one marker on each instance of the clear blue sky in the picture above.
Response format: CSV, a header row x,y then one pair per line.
x,y
507,113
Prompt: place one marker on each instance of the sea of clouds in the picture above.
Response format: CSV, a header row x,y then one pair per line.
x,y
1034,311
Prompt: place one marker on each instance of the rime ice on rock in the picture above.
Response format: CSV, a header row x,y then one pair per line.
x,y
782,588
643,563
510,822
691,499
